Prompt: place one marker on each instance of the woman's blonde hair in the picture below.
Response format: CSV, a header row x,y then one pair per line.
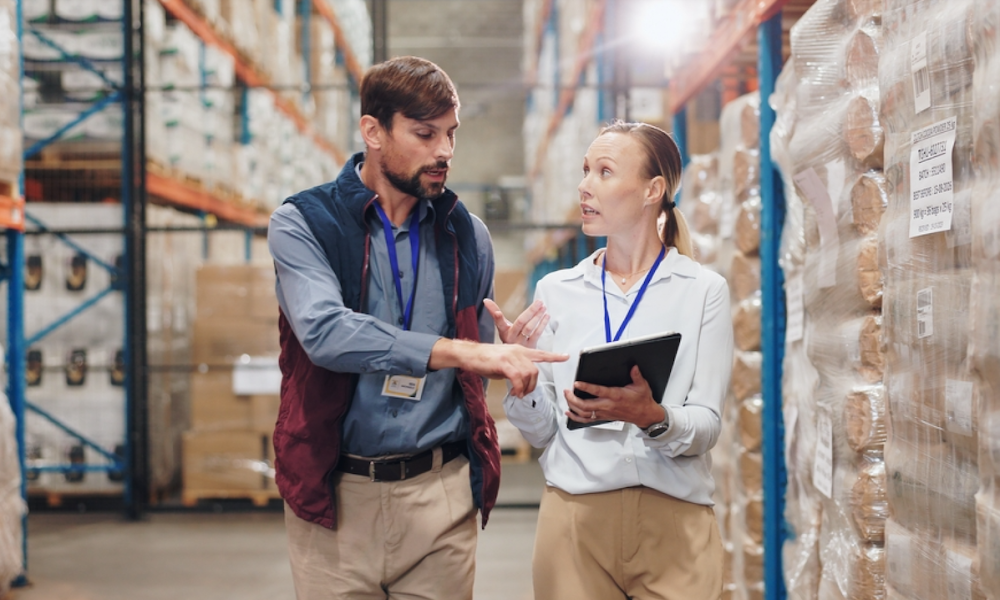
x,y
663,159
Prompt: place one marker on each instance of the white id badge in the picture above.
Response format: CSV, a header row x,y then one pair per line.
x,y
401,386
612,426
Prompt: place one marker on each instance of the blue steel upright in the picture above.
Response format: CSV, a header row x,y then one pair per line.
x,y
773,315
16,361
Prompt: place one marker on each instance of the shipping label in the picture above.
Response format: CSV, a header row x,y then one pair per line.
x,y
921,73
932,179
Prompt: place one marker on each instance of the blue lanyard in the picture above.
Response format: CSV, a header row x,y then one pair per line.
x,y
638,297
390,244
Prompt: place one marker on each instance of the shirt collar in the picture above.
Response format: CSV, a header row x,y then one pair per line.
x,y
673,263
425,206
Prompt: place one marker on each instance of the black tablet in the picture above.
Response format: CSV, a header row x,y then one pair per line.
x,y
611,365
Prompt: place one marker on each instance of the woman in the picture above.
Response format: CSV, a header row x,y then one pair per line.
x,y
627,509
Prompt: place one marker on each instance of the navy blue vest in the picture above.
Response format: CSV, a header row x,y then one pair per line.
x,y
314,400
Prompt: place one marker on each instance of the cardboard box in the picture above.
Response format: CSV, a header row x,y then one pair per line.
x,y
223,340
228,461
235,291
214,407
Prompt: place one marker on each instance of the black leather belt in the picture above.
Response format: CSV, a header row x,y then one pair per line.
x,y
400,469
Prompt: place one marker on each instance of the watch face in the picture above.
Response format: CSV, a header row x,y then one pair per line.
x,y
656,430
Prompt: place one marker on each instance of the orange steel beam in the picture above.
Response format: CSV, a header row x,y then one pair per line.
x,y
726,40
186,195
246,71
568,94
353,66
11,213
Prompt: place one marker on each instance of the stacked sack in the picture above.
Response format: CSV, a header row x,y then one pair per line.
x,y
984,354
722,196
740,170
926,77
701,198
828,143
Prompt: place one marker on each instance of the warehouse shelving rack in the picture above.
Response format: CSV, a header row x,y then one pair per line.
x,y
759,22
139,181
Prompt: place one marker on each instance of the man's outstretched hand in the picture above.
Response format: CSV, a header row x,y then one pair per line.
x,y
513,362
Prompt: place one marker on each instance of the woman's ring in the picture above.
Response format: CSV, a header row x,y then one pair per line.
x,y
526,336
593,415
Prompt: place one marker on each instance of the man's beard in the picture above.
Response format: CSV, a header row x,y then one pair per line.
x,y
411,186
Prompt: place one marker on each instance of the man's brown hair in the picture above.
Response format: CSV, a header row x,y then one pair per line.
x,y
416,88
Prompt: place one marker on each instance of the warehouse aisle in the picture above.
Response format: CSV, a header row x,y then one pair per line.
x,y
219,556
205,556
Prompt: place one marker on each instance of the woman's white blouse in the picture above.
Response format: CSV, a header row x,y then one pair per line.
x,y
683,297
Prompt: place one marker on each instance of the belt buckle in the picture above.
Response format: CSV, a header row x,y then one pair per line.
x,y
371,471
402,470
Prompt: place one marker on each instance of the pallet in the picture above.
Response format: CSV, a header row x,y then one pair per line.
x,y
56,497
220,190
259,498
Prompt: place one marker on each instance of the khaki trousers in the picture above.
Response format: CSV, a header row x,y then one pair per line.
x,y
631,543
409,540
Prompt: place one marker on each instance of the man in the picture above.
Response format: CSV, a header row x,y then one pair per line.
x,y
384,448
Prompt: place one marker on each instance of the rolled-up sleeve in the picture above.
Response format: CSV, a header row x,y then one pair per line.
x,y
694,427
332,335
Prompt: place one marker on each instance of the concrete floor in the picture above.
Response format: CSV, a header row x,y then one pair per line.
x,y
206,556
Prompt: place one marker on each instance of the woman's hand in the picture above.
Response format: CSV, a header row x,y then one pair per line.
x,y
526,328
632,403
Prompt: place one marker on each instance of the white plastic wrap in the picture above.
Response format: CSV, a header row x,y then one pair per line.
x,y
828,142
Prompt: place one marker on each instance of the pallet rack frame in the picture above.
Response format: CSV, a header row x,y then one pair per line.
x,y
137,184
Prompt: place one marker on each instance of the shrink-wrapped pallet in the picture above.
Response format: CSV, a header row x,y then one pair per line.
x,y
865,420
868,573
750,423
869,503
746,377
744,275
933,487
834,148
746,324
863,131
868,201
748,226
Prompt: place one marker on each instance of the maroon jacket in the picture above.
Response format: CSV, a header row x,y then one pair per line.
x,y
314,400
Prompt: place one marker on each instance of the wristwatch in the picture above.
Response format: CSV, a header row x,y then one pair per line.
x,y
658,429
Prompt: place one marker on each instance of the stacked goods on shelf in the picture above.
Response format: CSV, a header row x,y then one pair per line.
x,y
701,201
932,455
739,166
331,111
827,143
802,505
172,260
59,88
10,112
235,144
984,354
12,507
234,389
553,159
75,373
721,197
357,27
